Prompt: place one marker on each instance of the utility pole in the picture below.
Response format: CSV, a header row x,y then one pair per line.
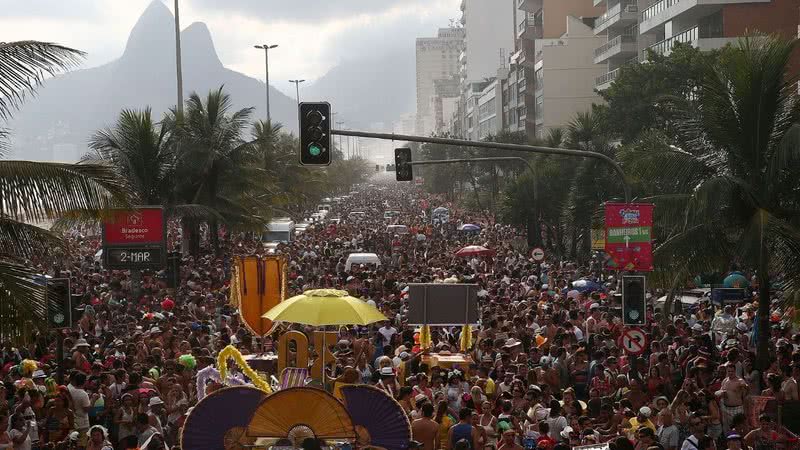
x,y
179,70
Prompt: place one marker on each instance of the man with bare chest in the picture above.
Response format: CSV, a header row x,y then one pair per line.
x,y
731,396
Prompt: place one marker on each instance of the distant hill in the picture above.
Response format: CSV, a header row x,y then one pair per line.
x,y
56,124
373,88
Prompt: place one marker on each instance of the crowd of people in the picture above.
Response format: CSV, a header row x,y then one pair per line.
x,y
545,372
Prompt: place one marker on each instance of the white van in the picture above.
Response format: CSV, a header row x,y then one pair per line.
x,y
361,258
324,207
356,215
391,214
397,229
280,231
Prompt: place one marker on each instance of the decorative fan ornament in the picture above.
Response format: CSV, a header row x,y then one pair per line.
x,y
212,422
377,417
280,413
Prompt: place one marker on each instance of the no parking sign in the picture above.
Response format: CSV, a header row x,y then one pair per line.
x,y
633,340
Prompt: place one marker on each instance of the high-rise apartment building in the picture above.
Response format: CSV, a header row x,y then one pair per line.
x,y
552,70
437,59
633,26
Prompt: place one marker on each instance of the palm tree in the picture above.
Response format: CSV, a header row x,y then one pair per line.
x,y
591,182
216,167
143,153
32,192
734,197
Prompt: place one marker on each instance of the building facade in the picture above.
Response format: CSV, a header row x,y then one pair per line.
x,y
633,26
436,59
552,68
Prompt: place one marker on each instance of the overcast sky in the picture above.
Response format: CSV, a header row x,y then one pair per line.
x,y
314,35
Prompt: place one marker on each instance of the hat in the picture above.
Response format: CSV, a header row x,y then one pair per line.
x,y
741,326
511,343
400,349
156,401
594,306
645,411
155,330
39,374
80,343
404,355
420,398
697,327
387,372
566,431
734,437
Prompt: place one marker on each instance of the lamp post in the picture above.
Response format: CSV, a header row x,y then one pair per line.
x,y
297,88
178,68
266,48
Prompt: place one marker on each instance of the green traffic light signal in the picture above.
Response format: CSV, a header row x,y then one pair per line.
x,y
314,150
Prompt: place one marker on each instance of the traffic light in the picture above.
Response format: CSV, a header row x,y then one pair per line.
x,y
634,301
402,158
315,134
59,303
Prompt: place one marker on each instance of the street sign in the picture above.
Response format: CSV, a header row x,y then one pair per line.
x,y
598,239
135,239
537,254
629,235
633,340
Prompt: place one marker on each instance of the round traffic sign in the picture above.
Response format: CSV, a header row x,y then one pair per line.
x,y
633,340
537,253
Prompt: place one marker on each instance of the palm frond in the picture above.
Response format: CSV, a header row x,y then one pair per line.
x,y
23,241
22,299
24,65
41,191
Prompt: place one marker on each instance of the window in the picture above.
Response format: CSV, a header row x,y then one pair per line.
x,y
538,79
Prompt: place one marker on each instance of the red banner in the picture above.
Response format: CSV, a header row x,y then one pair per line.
x,y
141,226
629,229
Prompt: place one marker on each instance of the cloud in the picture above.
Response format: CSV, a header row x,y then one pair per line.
x,y
299,11
314,35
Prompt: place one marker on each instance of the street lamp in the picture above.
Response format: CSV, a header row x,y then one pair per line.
x,y
297,88
266,49
178,68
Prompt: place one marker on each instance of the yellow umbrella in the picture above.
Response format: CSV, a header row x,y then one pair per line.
x,y
320,307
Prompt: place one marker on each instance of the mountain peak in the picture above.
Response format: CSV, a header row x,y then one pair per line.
x,y
152,32
198,46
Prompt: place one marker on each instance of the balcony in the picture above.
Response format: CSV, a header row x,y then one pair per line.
x,y
620,15
529,29
604,81
694,36
620,47
529,5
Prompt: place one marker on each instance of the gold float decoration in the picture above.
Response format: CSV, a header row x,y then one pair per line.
x,y
230,352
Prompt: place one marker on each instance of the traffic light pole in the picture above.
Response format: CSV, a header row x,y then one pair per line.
x,y
495,145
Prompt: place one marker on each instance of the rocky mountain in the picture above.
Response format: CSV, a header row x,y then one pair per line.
x,y
56,124
368,90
